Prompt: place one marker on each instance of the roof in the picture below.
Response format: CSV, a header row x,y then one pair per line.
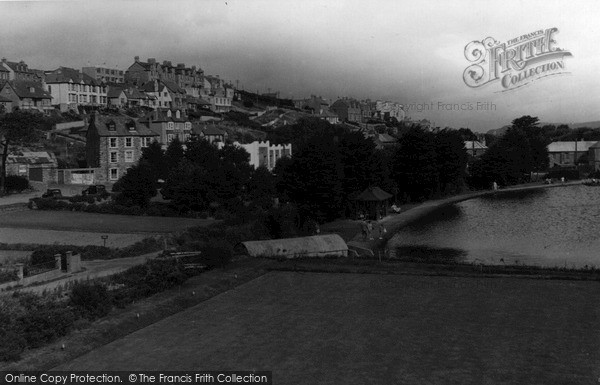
x,y
29,89
134,93
68,75
161,116
569,146
212,130
4,99
317,245
474,144
101,123
373,194
114,92
386,138
173,87
30,157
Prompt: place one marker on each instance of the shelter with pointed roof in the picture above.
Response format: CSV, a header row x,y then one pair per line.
x,y
373,202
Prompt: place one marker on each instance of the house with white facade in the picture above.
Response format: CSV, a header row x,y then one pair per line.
x,y
265,153
70,88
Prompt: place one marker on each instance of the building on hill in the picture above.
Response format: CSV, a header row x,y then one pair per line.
x,y
18,71
27,95
168,125
475,148
114,144
70,88
266,154
388,110
569,153
210,132
105,75
184,77
347,110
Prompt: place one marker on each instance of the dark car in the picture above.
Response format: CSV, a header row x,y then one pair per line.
x,y
94,190
52,193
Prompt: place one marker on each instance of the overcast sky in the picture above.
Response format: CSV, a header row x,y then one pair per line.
x,y
411,52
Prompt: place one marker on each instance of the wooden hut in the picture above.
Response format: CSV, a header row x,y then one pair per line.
x,y
314,246
373,202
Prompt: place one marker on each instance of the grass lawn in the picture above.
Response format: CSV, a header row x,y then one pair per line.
x,y
377,329
92,222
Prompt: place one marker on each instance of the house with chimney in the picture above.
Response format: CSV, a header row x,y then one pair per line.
x,y
186,78
104,74
19,71
168,125
70,88
347,110
114,144
211,133
26,95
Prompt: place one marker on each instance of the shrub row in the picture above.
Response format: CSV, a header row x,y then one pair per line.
x,y
86,204
29,320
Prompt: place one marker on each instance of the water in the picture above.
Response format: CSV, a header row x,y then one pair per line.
x,y
547,227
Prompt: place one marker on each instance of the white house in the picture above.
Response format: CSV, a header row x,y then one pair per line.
x,y
266,154
70,88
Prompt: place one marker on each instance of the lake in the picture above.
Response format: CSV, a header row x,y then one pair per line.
x,y
546,227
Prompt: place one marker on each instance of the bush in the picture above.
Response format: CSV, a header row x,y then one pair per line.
x,y
12,345
46,323
90,300
15,183
217,255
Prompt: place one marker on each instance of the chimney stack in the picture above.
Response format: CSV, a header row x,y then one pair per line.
x,y
137,59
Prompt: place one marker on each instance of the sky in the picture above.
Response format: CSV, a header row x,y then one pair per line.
x,y
410,52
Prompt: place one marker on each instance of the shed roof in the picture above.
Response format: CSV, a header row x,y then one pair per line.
x,y
475,144
291,247
569,146
373,194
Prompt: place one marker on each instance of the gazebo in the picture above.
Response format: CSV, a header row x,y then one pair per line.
x,y
373,202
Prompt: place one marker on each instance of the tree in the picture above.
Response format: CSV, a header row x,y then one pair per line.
x,y
261,188
451,158
153,157
17,127
414,165
137,186
174,154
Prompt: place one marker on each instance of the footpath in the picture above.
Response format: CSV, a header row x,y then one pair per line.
x,y
394,222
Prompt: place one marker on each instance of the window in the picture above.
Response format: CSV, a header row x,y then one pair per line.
x,y
170,125
113,157
129,142
188,125
50,89
129,156
112,142
145,141
169,138
114,173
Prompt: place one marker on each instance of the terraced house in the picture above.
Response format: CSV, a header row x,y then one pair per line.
x,y
184,77
168,125
114,144
70,88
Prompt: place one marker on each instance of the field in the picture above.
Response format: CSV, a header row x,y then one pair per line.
x,y
377,329
106,223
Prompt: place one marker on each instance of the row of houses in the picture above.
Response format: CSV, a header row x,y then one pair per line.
x,y
351,110
115,143
143,84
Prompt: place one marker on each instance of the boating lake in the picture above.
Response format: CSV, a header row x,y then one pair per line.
x,y
546,227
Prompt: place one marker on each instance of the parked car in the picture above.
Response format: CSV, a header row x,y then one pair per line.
x,y
94,190
52,193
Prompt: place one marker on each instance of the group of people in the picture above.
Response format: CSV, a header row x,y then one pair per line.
x,y
367,228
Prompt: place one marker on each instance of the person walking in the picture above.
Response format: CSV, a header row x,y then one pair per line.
x,y
382,230
370,229
364,229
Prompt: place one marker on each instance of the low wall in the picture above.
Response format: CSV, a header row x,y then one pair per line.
x,y
73,265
